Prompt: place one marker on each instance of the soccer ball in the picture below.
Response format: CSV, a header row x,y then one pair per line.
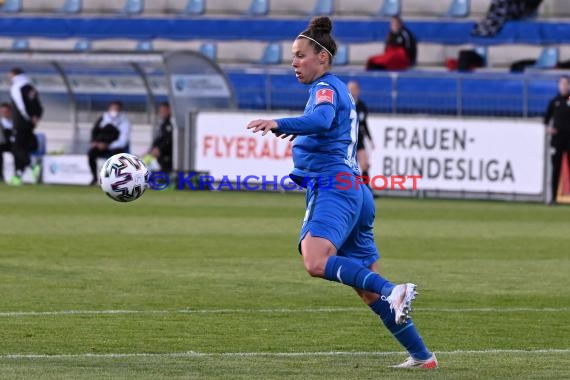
x,y
124,177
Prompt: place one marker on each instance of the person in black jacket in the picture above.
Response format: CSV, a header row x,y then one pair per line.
x,y
161,148
400,51
27,111
363,131
558,112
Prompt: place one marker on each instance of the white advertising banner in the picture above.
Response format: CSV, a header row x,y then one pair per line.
x,y
225,148
8,169
66,170
502,156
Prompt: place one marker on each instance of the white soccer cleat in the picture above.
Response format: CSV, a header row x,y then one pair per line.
x,y
400,301
410,362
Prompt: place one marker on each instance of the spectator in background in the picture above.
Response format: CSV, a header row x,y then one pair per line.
x,y
6,127
501,11
400,51
558,112
110,135
26,113
161,149
363,131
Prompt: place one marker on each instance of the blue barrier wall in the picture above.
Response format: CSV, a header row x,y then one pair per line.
x,y
271,29
411,92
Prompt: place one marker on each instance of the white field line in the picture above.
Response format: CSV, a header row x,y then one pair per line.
x,y
8,314
190,354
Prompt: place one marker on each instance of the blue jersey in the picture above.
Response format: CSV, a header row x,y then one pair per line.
x,y
327,133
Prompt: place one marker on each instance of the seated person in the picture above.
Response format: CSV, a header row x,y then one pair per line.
x,y
6,127
161,148
110,135
400,51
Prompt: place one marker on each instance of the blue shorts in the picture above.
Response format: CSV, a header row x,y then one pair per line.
x,y
343,217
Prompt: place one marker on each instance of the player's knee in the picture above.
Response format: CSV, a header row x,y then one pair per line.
x,y
315,267
316,252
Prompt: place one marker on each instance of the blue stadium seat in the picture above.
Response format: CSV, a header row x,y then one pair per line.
x,y
71,7
144,46
249,89
323,8
272,54
341,57
459,8
548,58
11,6
210,50
258,8
390,8
133,7
195,7
20,44
82,45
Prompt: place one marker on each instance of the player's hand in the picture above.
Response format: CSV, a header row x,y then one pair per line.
x,y
284,135
262,125
551,131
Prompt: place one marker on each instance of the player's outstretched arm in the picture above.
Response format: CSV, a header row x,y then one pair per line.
x,y
262,125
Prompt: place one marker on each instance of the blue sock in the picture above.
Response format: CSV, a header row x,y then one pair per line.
x,y
406,334
348,272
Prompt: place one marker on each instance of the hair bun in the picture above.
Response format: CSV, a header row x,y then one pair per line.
x,y
321,24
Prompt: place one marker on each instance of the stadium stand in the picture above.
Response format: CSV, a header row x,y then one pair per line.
x,y
257,34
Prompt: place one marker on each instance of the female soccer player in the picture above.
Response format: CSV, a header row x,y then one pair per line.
x,y
337,241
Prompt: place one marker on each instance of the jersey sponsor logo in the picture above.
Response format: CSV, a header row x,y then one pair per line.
x,y
324,95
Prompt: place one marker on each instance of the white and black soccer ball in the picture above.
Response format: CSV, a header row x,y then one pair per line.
x,y
124,177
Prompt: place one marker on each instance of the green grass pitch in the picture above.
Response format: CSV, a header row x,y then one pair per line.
x,y
195,285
